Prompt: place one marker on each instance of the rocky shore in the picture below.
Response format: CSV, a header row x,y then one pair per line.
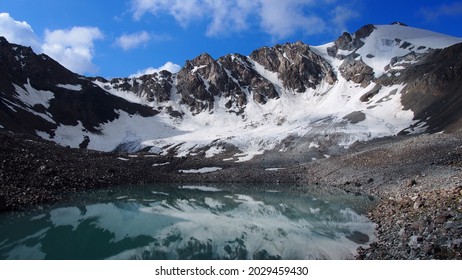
x,y
416,180
424,225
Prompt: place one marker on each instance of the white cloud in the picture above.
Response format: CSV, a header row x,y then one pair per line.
x,y
169,66
342,15
140,7
229,16
280,19
183,11
18,32
434,13
131,41
283,18
73,48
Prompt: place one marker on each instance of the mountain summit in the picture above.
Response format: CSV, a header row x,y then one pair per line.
x,y
380,81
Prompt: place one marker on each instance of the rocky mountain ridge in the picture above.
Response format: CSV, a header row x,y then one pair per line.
x,y
233,77
378,81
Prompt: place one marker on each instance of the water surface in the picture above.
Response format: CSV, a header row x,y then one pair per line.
x,y
191,222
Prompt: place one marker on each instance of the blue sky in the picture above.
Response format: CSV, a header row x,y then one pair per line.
x,y
127,37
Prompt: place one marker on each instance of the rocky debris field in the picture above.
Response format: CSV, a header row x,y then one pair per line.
x,y
416,180
426,225
34,171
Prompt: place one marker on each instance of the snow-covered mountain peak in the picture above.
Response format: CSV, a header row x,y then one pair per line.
x,y
308,101
377,45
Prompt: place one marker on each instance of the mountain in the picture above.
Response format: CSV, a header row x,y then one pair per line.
x,y
382,80
39,96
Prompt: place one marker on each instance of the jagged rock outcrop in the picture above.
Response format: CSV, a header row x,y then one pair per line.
x,y
240,71
403,61
249,80
299,68
154,87
356,71
201,80
352,68
350,42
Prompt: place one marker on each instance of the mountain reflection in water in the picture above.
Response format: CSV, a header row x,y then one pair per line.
x,y
190,222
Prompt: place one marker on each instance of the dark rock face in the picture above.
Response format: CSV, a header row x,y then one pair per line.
x,y
364,32
241,70
154,87
20,64
434,88
344,42
299,68
357,71
244,77
200,81
90,105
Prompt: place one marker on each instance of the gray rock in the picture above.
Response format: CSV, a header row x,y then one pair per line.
x,y
368,95
358,237
441,218
418,203
355,117
457,243
357,71
415,241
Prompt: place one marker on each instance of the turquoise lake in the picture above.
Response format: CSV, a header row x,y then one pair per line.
x,y
191,222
